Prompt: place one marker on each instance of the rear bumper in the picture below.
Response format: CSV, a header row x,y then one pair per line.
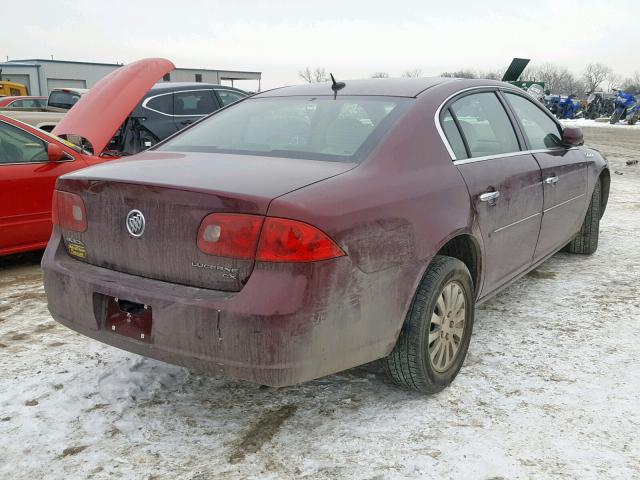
x,y
289,324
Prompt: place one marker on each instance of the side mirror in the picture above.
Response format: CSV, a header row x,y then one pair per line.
x,y
55,153
572,137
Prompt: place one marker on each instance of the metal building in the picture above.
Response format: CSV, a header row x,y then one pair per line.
x,y
40,76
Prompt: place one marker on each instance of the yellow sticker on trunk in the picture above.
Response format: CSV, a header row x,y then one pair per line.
x,y
77,249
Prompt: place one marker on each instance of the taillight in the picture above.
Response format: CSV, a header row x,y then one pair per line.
x,y
68,211
230,235
267,239
284,240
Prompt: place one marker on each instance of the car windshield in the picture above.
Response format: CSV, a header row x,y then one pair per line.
x,y
316,128
69,144
63,99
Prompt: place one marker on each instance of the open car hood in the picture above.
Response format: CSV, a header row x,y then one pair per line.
x,y
100,112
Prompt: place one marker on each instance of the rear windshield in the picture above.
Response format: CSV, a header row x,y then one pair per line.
x,y
63,99
316,128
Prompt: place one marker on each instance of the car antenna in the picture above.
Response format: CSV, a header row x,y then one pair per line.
x,y
335,86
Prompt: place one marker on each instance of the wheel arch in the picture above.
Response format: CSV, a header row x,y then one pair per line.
x,y
466,248
605,184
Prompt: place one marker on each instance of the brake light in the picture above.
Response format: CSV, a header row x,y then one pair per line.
x,y
232,235
267,239
284,240
68,211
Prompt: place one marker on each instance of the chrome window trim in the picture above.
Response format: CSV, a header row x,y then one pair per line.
x,y
489,157
510,154
147,100
38,163
445,141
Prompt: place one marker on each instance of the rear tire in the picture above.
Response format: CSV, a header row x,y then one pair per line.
x,y
586,242
434,339
632,120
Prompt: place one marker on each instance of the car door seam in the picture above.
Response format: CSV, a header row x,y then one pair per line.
x,y
516,222
563,203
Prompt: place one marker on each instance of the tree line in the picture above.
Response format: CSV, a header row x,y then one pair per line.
x,y
557,79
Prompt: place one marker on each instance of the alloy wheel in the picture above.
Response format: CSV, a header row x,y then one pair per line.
x,y
447,326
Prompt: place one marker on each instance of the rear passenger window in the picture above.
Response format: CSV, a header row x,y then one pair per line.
x,y
485,125
541,131
162,104
197,102
453,136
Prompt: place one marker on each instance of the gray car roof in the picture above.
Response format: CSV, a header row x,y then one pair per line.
x,y
171,86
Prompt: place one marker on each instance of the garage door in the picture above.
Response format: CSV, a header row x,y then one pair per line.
x,y
64,83
23,79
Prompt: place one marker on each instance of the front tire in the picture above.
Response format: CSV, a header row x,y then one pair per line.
x,y
586,242
435,336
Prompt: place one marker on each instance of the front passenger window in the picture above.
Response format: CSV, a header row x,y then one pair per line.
x,y
485,125
18,146
541,131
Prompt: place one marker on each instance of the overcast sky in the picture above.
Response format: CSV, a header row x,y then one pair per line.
x,y
349,38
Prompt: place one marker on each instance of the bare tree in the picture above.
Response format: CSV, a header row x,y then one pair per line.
x,y
594,74
467,73
550,74
415,73
632,84
459,74
316,75
613,81
556,79
491,75
379,75
569,85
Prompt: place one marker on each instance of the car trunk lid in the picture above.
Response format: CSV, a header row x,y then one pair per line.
x,y
174,192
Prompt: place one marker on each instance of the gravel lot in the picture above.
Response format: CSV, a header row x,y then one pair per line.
x,y
549,390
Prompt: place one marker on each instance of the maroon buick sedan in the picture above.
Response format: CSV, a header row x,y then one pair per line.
x,y
307,230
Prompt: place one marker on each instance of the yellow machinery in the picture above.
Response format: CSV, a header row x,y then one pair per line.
x,y
11,89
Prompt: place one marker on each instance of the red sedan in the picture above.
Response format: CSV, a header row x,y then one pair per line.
x,y
23,102
310,229
31,159
30,162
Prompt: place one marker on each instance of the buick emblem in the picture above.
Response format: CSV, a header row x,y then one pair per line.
x,y
135,223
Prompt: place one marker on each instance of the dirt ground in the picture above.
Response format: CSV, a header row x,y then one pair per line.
x,y
550,388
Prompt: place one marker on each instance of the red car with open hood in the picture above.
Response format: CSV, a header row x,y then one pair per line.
x,y
310,229
31,160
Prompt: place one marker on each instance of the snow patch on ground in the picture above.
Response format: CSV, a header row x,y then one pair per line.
x,y
600,123
549,389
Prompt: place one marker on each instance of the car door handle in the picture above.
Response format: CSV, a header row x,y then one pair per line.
x,y
551,180
489,196
186,122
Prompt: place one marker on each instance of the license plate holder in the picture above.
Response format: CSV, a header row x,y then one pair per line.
x,y
129,319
